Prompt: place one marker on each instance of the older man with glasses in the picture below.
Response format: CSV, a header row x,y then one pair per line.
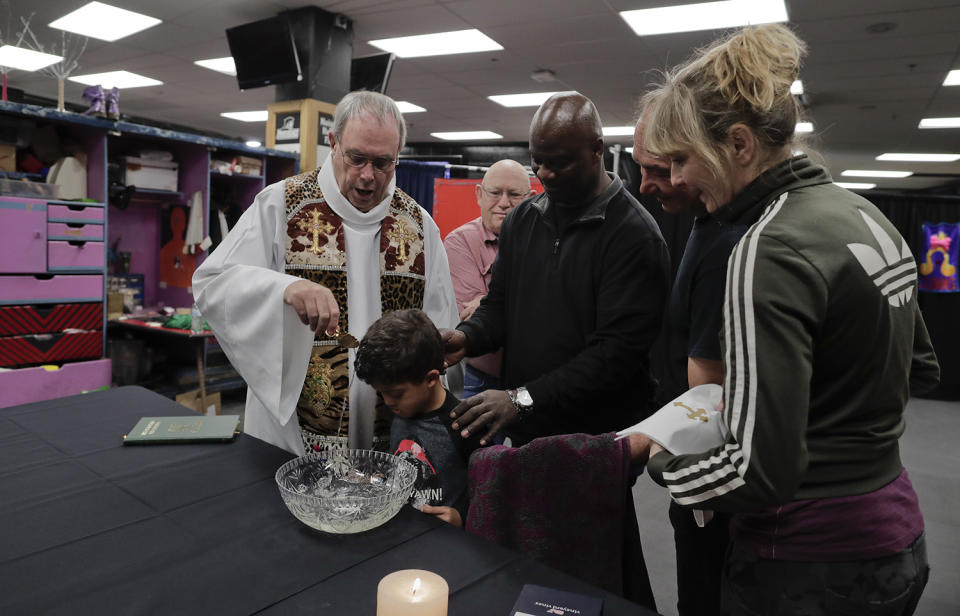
x,y
310,265
472,249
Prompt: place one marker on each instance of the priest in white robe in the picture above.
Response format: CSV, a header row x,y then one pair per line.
x,y
314,257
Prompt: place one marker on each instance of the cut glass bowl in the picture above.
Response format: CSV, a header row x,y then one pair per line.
x,y
345,490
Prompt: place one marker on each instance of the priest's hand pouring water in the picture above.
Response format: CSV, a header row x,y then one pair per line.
x,y
315,305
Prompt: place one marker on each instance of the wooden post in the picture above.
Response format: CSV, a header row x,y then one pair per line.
x,y
295,126
199,342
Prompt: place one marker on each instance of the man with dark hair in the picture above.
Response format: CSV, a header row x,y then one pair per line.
x,y
401,357
576,297
399,346
691,333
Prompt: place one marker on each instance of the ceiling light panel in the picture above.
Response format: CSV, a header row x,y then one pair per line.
x,y
953,78
246,116
796,88
876,173
26,59
804,127
104,22
855,185
438,44
222,65
618,131
531,99
705,16
116,79
939,123
408,107
473,135
912,157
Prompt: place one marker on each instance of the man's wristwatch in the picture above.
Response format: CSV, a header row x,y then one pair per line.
x,y
522,400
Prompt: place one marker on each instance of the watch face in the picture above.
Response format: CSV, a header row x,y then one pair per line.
x,y
524,397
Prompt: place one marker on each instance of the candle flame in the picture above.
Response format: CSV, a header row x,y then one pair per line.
x,y
416,586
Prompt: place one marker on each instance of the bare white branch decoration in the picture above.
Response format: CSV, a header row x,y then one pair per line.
x,y
70,47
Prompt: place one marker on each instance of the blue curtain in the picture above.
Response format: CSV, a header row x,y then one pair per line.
x,y
415,178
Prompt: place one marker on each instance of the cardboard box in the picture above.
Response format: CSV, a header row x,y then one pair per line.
x,y
114,304
221,166
8,157
191,400
151,174
128,283
249,166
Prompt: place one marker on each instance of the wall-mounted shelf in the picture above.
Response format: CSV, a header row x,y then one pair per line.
x,y
153,194
241,176
20,175
53,253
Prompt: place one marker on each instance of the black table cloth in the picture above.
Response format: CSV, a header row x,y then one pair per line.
x,y
88,526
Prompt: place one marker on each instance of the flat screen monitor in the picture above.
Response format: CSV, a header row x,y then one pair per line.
x,y
264,53
371,73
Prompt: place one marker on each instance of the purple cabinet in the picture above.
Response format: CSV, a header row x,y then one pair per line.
x,y
48,382
47,289
75,213
23,236
74,255
74,231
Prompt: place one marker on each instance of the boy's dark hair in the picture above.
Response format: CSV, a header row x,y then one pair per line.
x,y
400,347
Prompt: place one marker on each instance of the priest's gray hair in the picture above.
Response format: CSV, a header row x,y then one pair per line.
x,y
378,105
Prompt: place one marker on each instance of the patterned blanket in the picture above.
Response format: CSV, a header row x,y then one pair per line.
x,y
565,501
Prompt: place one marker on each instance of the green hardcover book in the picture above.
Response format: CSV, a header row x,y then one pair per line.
x,y
189,429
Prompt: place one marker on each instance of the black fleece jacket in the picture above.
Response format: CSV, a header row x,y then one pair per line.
x,y
576,311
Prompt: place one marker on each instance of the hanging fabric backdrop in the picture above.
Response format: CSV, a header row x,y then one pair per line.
x,y
909,213
415,178
938,261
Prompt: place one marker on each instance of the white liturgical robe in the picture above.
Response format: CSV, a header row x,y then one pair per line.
x,y
239,290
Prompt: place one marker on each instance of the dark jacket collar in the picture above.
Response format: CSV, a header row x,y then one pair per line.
x,y
596,209
793,173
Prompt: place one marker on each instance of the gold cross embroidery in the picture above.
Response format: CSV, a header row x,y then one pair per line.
x,y
399,233
316,226
693,413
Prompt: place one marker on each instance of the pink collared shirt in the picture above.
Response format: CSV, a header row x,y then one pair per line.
x,y
471,250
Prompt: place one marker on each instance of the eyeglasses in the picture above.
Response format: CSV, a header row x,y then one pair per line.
x,y
383,165
512,196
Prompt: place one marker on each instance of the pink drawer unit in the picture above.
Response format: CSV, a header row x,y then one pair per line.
x,y
47,382
50,289
75,255
74,231
75,213
23,236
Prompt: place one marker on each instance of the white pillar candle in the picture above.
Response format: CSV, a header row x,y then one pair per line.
x,y
412,592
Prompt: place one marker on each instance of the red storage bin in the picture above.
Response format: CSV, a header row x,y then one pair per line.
x,y
49,318
45,348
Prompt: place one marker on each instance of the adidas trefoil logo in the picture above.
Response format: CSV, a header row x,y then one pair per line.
x,y
894,272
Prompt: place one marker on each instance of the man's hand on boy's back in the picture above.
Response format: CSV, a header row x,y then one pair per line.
x,y
492,408
447,514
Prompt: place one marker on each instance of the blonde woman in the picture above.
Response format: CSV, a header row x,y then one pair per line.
x,y
823,343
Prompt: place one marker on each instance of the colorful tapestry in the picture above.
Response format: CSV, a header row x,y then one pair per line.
x,y
938,261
